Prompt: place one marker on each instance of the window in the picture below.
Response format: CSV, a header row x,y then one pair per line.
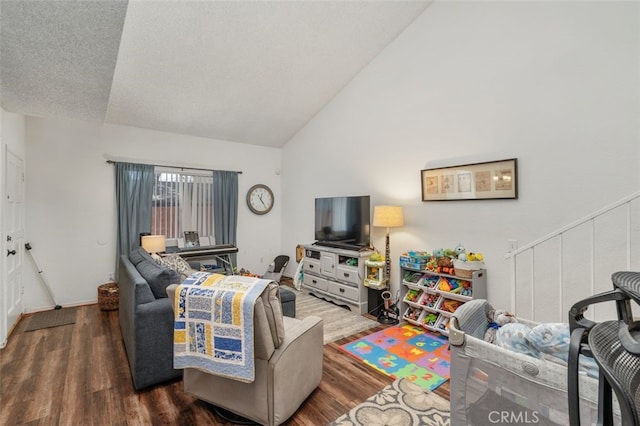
x,y
182,201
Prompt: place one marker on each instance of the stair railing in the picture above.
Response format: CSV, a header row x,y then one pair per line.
x,y
559,235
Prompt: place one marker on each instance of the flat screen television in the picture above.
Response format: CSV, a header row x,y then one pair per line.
x,y
343,221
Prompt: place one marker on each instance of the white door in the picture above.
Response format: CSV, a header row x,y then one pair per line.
x,y
14,255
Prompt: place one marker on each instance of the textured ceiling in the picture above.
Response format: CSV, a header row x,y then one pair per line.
x,y
244,71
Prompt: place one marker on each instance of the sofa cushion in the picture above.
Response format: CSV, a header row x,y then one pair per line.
x,y
138,255
273,309
157,276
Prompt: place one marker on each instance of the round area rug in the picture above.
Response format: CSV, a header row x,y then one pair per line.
x,y
402,403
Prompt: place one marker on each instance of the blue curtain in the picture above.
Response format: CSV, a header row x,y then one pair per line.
x,y
134,193
225,207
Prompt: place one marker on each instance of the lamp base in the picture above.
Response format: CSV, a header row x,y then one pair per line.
x,y
386,320
389,316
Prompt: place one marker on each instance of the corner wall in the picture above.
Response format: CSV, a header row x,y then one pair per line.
x,y
71,199
555,84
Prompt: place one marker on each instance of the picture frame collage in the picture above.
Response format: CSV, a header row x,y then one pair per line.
x,y
478,181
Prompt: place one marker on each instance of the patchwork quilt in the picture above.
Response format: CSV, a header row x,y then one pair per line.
x,y
213,328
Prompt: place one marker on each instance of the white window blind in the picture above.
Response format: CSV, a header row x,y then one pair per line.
x,y
182,201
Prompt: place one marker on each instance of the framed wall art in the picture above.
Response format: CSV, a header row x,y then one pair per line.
x,y
479,181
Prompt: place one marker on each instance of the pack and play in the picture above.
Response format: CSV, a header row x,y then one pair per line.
x,y
492,384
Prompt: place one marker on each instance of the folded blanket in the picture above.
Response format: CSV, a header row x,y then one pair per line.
x,y
549,341
213,328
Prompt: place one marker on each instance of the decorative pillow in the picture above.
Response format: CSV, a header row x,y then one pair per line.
x,y
138,255
158,277
514,336
178,264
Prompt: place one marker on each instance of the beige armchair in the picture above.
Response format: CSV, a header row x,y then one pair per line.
x,y
288,366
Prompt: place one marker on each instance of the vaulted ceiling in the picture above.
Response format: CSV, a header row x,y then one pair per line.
x,y
243,71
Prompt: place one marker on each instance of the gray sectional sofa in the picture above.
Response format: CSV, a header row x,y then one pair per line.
x,y
146,318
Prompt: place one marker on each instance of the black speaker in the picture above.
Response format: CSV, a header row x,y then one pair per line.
x,y
375,301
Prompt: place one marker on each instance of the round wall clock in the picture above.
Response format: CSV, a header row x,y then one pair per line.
x,y
260,199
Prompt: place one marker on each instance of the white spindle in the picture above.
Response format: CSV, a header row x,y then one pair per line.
x,y
533,282
513,284
561,274
629,235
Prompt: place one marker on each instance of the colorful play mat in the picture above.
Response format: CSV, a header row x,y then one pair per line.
x,y
405,351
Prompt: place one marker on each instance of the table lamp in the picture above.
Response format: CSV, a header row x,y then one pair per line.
x,y
154,244
389,217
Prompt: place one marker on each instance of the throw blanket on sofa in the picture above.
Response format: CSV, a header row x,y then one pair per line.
x,y
214,324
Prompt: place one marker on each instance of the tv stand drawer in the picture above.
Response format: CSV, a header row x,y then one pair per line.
x,y
348,274
344,291
315,282
311,265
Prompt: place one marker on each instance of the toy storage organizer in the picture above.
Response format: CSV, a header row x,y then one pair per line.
x,y
493,385
430,298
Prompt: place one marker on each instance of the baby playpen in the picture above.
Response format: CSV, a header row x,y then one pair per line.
x,y
494,385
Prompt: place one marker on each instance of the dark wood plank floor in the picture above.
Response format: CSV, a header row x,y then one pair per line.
x,y
78,374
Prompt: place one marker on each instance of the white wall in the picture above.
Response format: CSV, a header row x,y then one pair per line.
x,y
71,199
554,84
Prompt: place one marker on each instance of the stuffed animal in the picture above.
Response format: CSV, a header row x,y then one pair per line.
x,y
475,257
445,266
497,318
439,252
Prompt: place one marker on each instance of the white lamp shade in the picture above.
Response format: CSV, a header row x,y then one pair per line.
x,y
154,243
388,216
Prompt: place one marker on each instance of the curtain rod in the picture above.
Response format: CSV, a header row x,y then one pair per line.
x,y
177,167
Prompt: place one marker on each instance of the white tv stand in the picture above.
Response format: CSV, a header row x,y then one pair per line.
x,y
336,274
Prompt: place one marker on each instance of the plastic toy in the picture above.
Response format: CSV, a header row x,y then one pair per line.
x,y
466,289
450,305
444,285
430,281
430,319
412,277
376,257
412,295
413,314
444,324
429,300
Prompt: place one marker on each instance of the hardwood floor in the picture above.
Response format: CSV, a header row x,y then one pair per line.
x,y
78,374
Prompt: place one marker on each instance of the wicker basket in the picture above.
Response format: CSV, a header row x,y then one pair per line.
x,y
108,296
466,269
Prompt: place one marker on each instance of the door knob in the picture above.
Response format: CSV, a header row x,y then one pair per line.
x,y
10,252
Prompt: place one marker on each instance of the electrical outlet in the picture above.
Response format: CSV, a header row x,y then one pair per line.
x,y
512,245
